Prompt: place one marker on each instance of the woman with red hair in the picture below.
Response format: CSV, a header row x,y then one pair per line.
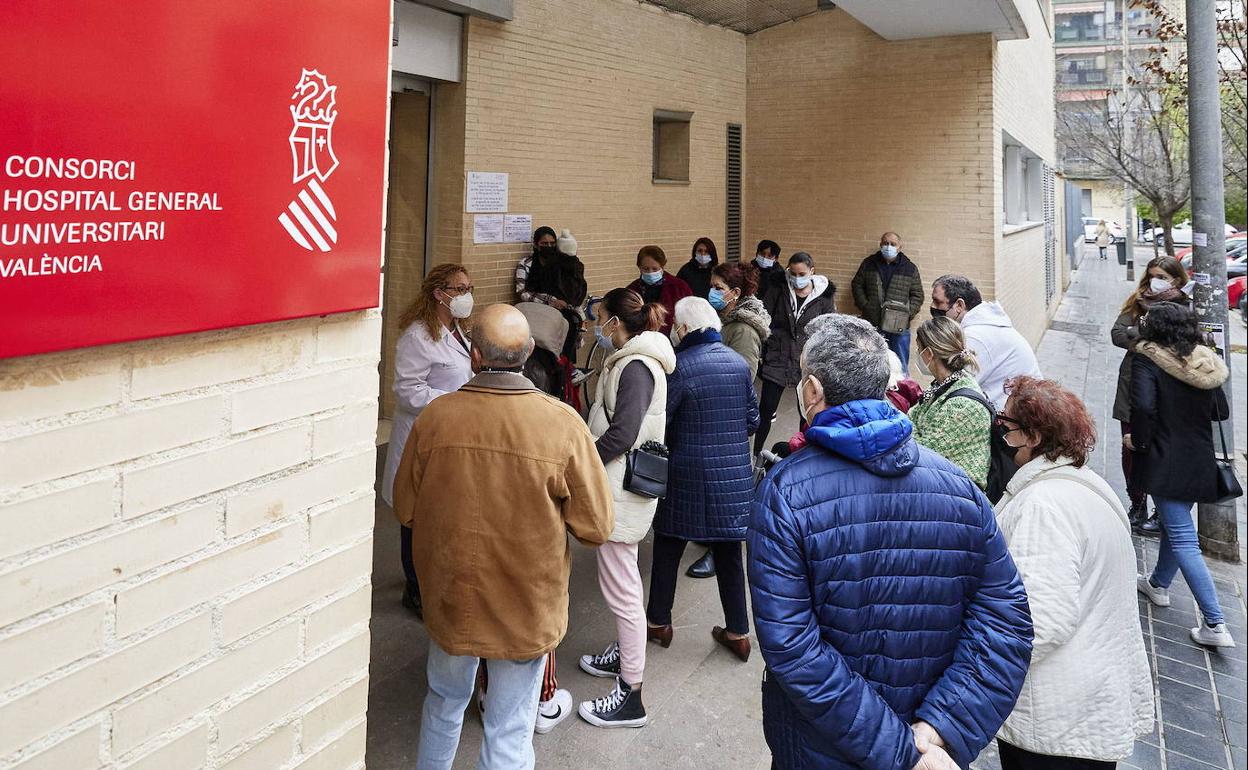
x,y
1088,692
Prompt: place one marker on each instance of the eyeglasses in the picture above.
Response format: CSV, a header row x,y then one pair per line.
x,y
457,290
1010,424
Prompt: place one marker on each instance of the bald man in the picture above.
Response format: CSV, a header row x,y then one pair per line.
x,y
889,293
493,479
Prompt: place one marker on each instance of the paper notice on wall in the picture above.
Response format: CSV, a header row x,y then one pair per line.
x,y
487,228
1201,278
1200,239
487,191
517,228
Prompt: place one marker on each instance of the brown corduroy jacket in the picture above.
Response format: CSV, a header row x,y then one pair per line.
x,y
493,478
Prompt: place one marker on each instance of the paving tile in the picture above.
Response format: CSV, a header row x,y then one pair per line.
x,y
1176,761
1183,672
1234,710
1200,721
1181,652
1239,759
1145,757
1199,747
1224,664
1236,733
1231,686
1184,695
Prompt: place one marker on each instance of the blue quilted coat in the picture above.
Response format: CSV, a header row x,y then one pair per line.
x,y
882,594
711,412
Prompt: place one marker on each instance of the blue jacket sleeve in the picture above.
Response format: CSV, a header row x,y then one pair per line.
x,y
972,699
751,416
848,715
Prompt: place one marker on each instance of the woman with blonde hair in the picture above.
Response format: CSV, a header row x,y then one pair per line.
x,y
433,357
1164,280
1103,238
953,417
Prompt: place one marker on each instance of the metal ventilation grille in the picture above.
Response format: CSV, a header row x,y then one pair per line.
x,y
732,217
1050,237
746,16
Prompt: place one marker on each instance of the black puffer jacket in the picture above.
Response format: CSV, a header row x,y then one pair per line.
x,y
1173,401
783,348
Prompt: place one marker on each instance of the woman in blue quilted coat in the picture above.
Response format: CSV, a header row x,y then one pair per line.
x,y
711,412
887,608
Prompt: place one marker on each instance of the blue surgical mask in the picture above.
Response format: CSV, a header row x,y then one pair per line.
x,y
604,340
652,278
765,263
889,251
799,281
716,298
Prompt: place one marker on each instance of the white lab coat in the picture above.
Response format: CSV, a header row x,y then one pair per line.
x,y
424,369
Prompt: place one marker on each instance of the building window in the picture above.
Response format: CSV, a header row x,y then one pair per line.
x,y
671,146
1022,184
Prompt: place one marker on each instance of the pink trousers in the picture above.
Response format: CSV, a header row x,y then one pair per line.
x,y
620,581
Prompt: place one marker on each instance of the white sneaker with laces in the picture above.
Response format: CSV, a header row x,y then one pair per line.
x,y
605,664
1212,636
551,712
1158,596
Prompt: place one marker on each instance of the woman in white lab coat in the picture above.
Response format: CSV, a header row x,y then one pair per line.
x,y
432,358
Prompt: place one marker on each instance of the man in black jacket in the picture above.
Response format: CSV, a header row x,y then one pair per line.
x,y
888,280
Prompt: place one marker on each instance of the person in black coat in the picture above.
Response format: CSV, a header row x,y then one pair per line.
x,y
697,271
1176,391
771,273
804,297
711,410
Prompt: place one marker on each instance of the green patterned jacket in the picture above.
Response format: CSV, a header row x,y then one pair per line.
x,y
957,428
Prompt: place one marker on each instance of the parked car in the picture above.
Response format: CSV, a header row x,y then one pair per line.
x,y
1089,230
1236,248
1237,297
1182,233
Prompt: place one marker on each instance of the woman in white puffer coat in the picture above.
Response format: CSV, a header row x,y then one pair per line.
x,y
1088,693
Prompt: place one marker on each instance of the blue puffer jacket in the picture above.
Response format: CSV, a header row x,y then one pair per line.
x,y
883,594
711,412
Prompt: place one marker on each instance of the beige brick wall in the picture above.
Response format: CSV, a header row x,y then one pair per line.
x,y
562,98
185,549
1022,106
850,135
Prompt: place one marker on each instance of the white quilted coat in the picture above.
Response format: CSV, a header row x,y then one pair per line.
x,y
633,513
1088,692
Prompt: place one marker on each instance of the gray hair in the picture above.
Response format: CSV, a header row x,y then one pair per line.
x,y
498,355
695,313
848,357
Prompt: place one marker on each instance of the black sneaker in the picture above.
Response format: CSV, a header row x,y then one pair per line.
x,y
605,665
620,708
1150,527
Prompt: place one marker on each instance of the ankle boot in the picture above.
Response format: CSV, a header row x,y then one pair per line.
x,y
661,634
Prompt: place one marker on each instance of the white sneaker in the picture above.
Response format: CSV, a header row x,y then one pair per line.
x,y
551,712
1158,596
1212,636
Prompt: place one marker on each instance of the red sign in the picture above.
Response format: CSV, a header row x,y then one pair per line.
x,y
169,167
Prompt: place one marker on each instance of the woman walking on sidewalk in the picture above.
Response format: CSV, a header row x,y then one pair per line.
x,y
711,412
1164,280
1176,392
1103,238
1088,692
630,409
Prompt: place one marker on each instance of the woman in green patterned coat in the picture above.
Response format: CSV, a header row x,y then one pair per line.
x,y
956,425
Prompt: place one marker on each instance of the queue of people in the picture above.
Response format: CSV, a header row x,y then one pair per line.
x,y
895,633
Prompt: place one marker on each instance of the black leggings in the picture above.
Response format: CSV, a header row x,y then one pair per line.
x,y
729,573
768,403
1014,758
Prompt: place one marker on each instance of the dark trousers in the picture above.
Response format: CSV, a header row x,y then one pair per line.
x,y
405,556
729,573
1136,495
1014,758
768,403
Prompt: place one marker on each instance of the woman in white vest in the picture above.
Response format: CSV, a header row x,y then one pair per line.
x,y
1088,693
630,409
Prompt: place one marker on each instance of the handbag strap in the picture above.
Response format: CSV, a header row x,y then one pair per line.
x,y
1222,436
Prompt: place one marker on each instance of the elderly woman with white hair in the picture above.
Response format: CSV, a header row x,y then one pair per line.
x,y
711,412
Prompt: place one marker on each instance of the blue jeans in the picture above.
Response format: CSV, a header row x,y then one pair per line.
x,y
900,344
510,710
1180,551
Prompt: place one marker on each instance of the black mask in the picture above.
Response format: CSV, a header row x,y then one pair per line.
x,y
547,251
1012,451
938,313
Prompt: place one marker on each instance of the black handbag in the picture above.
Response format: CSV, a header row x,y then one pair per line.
x,y
1228,485
645,470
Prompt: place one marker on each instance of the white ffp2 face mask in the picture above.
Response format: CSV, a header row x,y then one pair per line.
x,y
1158,285
461,306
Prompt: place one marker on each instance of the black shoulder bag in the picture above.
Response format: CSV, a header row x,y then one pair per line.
x,y
645,470
1228,486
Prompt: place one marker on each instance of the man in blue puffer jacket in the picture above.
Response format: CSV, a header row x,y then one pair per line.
x,y
891,618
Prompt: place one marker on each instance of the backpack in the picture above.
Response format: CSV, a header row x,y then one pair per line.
x,y
1001,467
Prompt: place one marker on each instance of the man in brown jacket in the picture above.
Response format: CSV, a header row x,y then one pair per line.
x,y
493,478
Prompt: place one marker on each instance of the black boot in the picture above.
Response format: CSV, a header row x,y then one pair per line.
x,y
411,600
622,707
1150,527
1137,515
704,567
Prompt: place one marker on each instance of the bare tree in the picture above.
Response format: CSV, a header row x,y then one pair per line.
x,y
1139,141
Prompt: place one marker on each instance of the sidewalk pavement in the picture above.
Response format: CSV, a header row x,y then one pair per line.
x,y
704,705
